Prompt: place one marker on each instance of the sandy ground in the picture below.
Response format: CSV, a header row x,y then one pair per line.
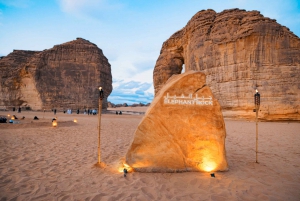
x,y
38,162
133,109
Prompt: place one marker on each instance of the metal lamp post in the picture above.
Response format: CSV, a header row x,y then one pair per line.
x,y
257,104
101,96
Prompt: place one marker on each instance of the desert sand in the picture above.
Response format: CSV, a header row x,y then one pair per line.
x,y
38,162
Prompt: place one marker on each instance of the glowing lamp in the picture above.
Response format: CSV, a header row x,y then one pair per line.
x,y
124,166
54,123
8,115
12,118
257,100
101,95
75,120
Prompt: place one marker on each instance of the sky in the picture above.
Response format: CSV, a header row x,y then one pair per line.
x,y
129,32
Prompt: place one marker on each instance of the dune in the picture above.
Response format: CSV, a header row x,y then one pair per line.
x,y
39,162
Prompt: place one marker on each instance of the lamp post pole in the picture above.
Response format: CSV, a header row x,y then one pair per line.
x,y
257,104
101,96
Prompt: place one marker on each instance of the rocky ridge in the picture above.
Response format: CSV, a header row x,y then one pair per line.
x,y
238,51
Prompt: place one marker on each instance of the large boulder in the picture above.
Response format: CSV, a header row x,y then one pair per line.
x,y
65,76
183,129
238,51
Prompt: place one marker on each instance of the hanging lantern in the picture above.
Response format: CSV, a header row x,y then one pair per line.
x,y
257,99
54,123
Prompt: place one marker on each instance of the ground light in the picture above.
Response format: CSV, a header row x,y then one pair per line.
x,y
125,172
124,166
54,123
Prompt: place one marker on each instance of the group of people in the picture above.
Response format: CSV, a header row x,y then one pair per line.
x,y
89,111
19,109
120,113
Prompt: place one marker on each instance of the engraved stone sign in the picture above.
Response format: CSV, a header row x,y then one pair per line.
x,y
189,100
183,130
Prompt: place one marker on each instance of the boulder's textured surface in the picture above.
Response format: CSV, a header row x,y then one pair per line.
x,y
238,51
183,129
10,79
65,76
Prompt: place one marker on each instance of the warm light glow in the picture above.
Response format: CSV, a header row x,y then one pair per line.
x,y
124,165
256,91
75,120
207,165
100,88
54,123
12,117
120,169
8,115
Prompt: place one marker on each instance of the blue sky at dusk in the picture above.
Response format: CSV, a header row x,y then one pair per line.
x,y
130,32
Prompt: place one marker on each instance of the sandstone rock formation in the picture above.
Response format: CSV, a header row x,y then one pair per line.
x,y
183,129
238,51
65,76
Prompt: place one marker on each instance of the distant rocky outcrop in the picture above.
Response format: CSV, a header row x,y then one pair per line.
x,y
238,51
65,76
183,129
112,105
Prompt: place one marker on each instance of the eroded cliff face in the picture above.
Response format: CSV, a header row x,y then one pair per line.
x,y
238,51
11,78
65,76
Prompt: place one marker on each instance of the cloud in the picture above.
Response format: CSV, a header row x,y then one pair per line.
x,y
85,7
131,92
74,6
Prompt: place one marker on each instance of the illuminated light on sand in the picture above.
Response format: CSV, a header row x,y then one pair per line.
x,y
75,120
54,123
120,169
124,165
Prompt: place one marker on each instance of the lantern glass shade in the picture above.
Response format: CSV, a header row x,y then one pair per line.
x,y
101,94
257,99
54,123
